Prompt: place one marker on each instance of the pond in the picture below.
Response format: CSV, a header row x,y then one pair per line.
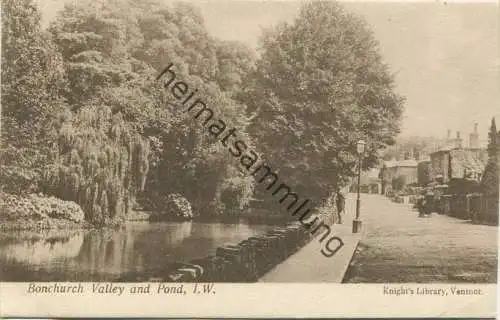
x,y
107,254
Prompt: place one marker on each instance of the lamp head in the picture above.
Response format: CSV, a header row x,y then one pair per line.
x,y
360,147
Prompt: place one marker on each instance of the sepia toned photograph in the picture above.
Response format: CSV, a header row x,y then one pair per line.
x,y
186,144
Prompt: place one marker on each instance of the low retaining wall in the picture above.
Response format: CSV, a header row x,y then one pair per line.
x,y
246,261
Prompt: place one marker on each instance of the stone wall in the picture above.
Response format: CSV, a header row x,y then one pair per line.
x,y
246,261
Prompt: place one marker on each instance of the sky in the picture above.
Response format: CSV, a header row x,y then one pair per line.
x,y
445,55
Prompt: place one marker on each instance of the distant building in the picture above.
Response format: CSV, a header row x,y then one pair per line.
x,y
455,162
458,163
453,143
405,169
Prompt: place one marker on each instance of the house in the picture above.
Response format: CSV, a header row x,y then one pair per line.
x,y
404,170
464,168
456,162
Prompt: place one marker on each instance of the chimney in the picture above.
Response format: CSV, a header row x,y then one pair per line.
x,y
458,140
474,138
448,136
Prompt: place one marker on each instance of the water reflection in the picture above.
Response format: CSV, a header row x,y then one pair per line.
x,y
43,248
94,255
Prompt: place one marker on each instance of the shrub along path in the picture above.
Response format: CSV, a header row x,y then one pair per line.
x,y
400,247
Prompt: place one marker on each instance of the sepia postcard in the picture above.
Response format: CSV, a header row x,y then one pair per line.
x,y
249,158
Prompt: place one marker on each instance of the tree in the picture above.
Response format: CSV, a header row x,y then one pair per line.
x,y
102,164
490,178
32,82
493,141
187,160
96,43
113,51
32,73
320,85
423,173
235,62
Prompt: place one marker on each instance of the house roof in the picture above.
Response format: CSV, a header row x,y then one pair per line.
x,y
401,163
446,148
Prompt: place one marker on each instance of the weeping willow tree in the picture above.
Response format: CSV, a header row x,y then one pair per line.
x,y
102,164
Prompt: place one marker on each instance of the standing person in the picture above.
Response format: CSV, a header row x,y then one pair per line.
x,y
421,204
429,203
340,202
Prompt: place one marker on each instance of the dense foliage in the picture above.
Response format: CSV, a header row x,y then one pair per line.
x,y
115,134
102,164
39,207
32,79
424,173
319,87
490,180
84,120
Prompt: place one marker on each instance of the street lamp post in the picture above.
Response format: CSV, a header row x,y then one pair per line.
x,y
356,223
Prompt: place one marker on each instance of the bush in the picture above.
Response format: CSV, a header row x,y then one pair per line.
x,y
38,207
236,193
173,205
